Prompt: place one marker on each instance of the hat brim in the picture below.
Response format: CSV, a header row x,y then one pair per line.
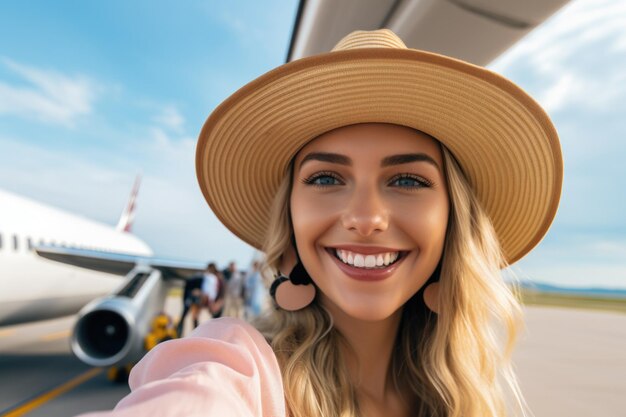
x,y
504,141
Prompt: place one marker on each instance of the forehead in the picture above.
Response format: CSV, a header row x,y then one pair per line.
x,y
373,141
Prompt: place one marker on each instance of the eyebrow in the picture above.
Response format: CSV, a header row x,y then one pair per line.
x,y
408,158
399,159
334,158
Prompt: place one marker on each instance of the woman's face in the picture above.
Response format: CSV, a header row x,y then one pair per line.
x,y
369,207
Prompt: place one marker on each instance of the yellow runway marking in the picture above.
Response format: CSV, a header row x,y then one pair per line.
x,y
50,395
7,332
55,336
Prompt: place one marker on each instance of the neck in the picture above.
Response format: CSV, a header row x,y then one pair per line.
x,y
369,350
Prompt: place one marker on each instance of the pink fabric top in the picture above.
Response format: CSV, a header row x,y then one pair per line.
x,y
224,368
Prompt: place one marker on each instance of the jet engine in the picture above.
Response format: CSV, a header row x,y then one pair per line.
x,y
111,330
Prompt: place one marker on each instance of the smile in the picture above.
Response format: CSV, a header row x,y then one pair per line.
x,y
371,261
377,265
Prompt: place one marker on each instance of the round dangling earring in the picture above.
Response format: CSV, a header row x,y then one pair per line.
x,y
431,297
294,292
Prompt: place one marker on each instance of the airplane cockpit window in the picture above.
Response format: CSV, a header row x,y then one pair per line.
x,y
15,243
29,243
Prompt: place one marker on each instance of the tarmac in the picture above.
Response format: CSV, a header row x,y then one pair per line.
x,y
573,362
39,375
569,362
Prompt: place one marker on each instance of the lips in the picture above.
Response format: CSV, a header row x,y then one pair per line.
x,y
377,265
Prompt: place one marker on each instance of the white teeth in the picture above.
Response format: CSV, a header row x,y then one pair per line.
x,y
366,261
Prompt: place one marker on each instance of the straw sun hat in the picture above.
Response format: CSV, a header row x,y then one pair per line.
x,y
504,141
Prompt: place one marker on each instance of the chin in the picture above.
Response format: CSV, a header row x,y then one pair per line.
x,y
368,310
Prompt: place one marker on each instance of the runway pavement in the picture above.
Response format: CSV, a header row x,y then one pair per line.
x,y
570,363
40,377
573,362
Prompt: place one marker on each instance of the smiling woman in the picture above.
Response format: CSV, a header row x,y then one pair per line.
x,y
372,208
387,187
371,205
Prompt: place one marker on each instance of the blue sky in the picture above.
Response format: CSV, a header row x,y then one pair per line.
x,y
92,93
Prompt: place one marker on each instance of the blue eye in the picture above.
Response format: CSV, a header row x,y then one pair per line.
x,y
410,181
323,180
406,181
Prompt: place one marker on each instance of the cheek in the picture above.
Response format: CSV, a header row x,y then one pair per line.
x,y
426,223
436,222
312,214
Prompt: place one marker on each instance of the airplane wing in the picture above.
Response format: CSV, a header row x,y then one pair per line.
x,y
112,329
118,263
477,31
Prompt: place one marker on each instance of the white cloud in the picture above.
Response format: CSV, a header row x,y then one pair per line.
x,y
557,94
61,178
562,53
170,149
615,249
575,89
578,275
577,260
48,95
170,118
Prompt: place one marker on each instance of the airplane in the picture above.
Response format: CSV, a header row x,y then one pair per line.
x,y
118,288
36,289
477,31
109,330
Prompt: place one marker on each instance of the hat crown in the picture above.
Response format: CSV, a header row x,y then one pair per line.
x,y
382,38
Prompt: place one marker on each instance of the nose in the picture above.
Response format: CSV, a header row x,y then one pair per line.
x,y
366,213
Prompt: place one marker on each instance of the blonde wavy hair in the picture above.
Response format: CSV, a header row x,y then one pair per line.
x,y
454,364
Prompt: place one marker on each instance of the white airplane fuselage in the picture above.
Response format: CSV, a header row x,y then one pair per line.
x,y
33,288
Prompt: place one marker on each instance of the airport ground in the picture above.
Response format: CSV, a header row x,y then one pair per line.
x,y
570,362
